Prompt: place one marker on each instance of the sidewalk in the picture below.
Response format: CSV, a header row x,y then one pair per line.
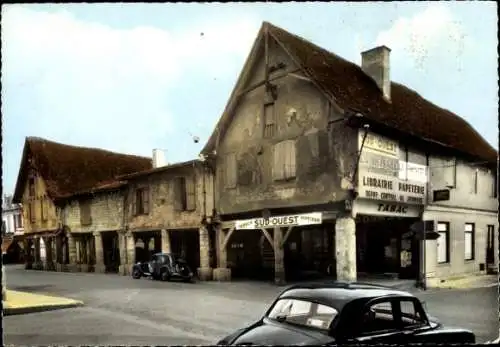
x,y
465,282
22,303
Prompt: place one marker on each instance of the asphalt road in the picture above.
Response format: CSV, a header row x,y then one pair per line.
x,y
122,311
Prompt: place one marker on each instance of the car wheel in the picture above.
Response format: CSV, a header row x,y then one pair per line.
x,y
136,274
165,276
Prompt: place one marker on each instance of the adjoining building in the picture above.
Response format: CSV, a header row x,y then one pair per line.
x,y
327,167
169,209
63,190
12,230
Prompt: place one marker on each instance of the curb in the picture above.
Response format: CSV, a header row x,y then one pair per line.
x,y
11,311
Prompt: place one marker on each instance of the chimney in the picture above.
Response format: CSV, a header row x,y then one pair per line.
x,y
159,158
375,63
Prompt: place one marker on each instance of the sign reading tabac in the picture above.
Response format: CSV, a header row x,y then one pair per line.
x,y
280,221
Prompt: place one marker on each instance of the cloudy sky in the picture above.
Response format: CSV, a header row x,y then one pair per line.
x,y
133,77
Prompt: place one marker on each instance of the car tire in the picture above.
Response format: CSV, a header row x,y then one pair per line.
x,y
136,274
165,276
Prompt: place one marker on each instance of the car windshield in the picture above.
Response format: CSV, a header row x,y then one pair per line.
x,y
304,313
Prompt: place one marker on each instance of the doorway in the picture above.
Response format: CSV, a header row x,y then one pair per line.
x,y
490,249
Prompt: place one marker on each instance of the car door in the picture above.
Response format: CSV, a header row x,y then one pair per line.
x,y
377,323
411,318
152,264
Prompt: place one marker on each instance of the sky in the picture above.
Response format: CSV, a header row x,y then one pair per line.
x,y
133,77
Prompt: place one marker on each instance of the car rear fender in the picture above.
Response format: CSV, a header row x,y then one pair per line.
x,y
230,338
445,335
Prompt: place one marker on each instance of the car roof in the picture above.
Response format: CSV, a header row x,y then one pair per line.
x,y
337,294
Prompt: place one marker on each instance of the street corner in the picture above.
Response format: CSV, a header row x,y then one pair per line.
x,y
22,303
465,282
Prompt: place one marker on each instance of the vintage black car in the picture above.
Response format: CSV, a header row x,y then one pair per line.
x,y
345,313
163,266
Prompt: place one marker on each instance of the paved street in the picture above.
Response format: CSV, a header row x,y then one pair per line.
x,y
120,310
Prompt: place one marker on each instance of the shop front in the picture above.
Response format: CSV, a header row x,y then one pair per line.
x,y
281,247
392,191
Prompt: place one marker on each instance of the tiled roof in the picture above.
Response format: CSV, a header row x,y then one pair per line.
x,y
68,170
351,88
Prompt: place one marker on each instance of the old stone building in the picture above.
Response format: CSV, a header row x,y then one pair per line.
x,y
169,209
322,166
55,184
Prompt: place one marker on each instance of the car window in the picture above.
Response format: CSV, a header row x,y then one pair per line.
x,y
377,317
302,312
410,316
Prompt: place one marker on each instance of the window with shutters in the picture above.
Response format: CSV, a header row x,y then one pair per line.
x,y
31,187
269,120
190,194
85,213
31,212
43,208
180,196
142,201
284,161
230,171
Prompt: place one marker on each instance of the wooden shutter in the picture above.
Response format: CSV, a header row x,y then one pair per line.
x,y
177,194
190,194
231,170
85,213
290,155
145,200
32,211
278,162
133,202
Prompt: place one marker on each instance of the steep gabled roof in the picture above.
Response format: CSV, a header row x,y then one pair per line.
x,y
170,167
408,112
68,170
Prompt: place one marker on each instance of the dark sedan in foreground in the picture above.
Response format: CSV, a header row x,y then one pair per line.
x,y
346,313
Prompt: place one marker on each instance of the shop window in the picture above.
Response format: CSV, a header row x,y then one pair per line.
x,y
443,247
284,160
469,241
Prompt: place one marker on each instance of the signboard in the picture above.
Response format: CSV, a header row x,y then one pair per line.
x,y
280,221
379,164
379,144
412,172
378,187
384,209
385,178
441,195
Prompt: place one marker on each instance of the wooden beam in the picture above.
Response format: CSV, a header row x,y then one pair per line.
x,y
226,239
288,232
228,224
268,237
261,83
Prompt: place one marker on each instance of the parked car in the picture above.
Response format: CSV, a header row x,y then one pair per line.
x,y
163,266
346,313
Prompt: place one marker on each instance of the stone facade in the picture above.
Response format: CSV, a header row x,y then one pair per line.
x,y
175,199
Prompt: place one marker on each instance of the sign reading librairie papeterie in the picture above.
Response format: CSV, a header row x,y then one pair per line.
x,y
280,221
385,177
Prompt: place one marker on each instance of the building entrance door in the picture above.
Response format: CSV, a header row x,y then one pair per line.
x,y
490,249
